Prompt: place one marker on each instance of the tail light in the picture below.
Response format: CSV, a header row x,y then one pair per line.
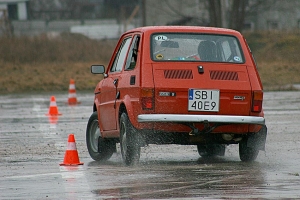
x,y
257,100
147,99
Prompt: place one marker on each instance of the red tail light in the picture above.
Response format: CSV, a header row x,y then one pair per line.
x,y
147,99
257,100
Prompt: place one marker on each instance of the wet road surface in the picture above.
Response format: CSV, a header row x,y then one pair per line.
x,y
32,146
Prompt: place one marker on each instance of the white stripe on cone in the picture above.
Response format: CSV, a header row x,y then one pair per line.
x,y
71,146
72,87
53,104
72,95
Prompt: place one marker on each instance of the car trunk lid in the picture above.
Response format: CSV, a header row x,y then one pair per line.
x,y
206,88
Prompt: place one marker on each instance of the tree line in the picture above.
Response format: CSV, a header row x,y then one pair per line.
x,y
222,13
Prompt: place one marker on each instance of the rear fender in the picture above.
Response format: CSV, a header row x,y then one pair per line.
x,y
126,106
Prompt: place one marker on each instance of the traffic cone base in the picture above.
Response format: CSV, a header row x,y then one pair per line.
x,y
71,155
53,110
72,99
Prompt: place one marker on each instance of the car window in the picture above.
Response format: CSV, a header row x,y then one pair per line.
x,y
195,47
121,55
133,53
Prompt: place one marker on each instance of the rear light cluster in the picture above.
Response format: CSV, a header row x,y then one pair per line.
x,y
257,100
147,99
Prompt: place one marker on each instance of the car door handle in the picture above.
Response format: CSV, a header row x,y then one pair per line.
x,y
118,95
116,82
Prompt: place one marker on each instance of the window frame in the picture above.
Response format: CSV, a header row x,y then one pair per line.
x,y
136,41
243,58
114,65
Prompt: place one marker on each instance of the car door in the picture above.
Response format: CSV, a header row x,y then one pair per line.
x,y
109,88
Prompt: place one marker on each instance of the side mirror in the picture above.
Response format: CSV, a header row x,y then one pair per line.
x,y
97,69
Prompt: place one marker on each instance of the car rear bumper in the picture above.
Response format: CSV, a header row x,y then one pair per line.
x,y
224,119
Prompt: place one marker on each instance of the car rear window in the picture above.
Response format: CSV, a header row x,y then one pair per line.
x,y
195,47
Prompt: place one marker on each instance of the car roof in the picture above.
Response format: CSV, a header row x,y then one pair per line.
x,y
199,29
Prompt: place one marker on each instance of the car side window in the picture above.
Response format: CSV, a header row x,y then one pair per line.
x,y
133,53
121,56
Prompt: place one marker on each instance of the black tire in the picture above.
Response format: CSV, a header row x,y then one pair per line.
x,y
129,141
211,150
247,154
100,149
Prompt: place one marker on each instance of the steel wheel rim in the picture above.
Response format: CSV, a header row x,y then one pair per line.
x,y
124,140
94,135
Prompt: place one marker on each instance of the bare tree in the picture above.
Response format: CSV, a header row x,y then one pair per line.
x,y
232,10
215,13
232,13
237,15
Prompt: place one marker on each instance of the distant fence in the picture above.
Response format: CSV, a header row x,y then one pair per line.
x,y
95,29
105,31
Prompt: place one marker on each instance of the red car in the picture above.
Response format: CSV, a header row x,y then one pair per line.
x,y
178,85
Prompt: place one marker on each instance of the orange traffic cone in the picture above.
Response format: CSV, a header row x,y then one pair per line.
x,y
53,110
72,100
71,156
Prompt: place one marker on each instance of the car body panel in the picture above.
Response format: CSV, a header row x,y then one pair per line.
x,y
171,81
229,89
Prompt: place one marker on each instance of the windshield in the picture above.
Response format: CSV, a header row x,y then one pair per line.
x,y
195,47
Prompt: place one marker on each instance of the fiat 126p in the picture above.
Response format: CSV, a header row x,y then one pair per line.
x,y
178,85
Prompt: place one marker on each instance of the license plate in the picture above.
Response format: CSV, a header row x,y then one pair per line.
x,y
204,100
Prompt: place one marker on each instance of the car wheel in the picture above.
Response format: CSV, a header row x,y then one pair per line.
x,y
100,149
211,150
247,154
129,142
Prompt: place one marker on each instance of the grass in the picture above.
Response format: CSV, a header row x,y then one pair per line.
x,y
279,75
16,78
47,64
277,56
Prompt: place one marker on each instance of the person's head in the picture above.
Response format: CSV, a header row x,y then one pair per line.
x,y
207,51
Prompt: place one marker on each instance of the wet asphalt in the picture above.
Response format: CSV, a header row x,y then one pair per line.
x,y
32,146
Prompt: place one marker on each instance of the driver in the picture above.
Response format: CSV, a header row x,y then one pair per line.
x,y
207,51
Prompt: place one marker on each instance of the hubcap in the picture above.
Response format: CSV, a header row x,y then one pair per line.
x,y
124,141
94,136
